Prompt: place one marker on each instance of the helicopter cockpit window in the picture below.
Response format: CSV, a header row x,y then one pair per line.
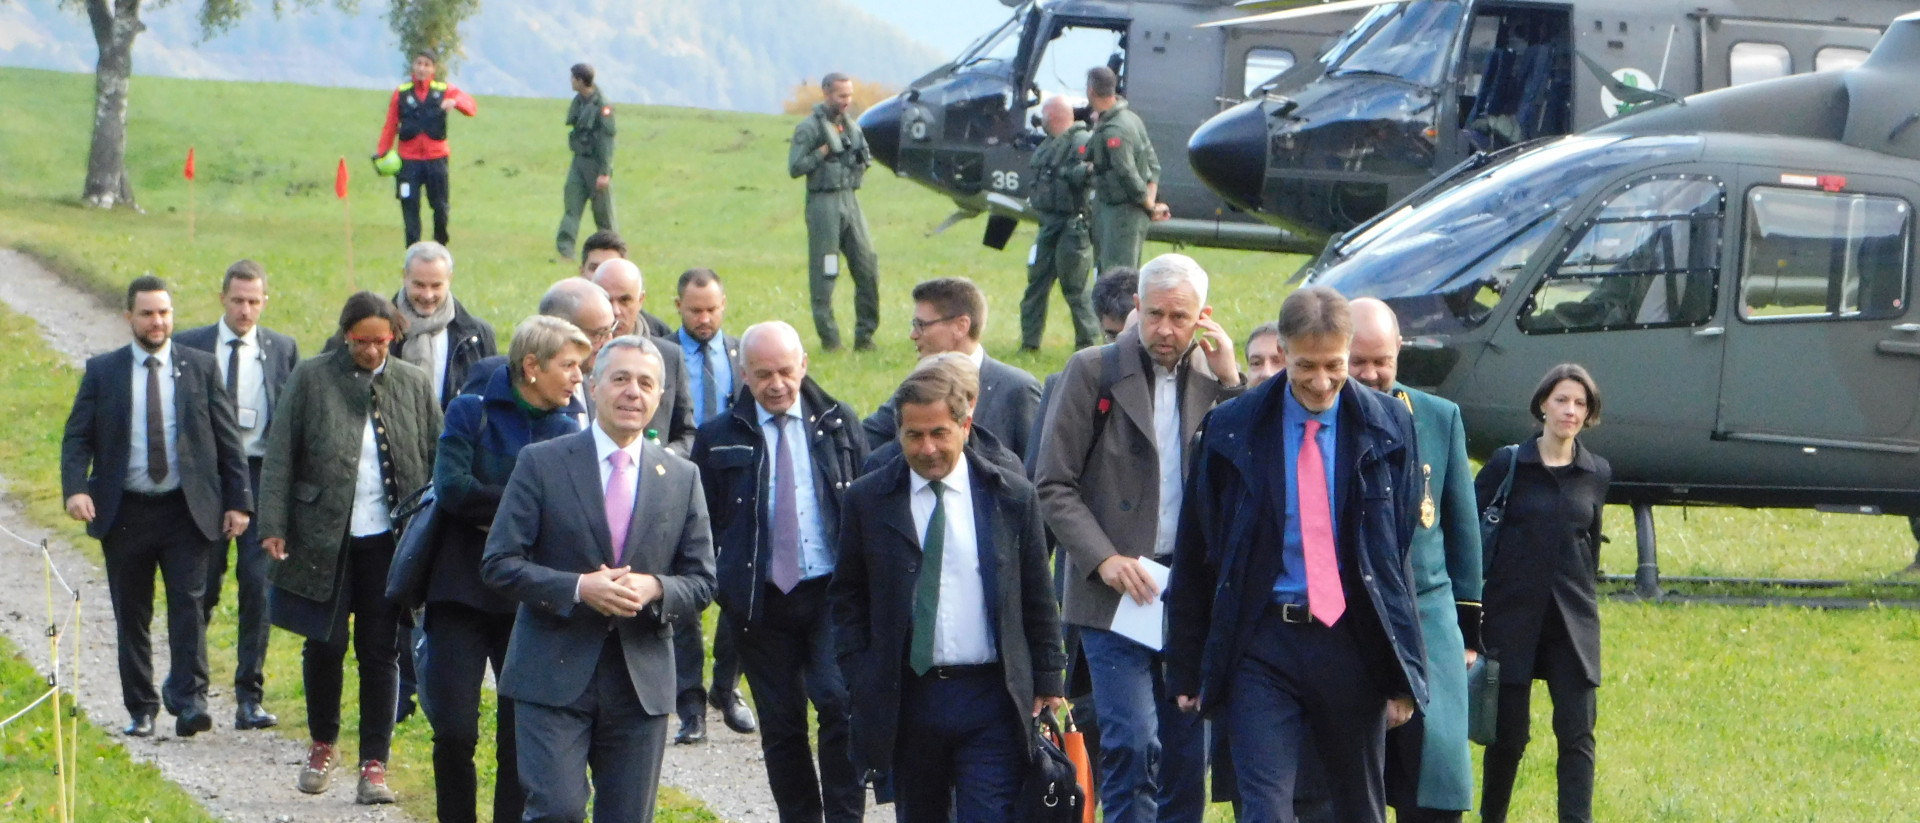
x,y
1815,255
1411,41
1262,66
1001,44
1753,62
1649,258
1838,58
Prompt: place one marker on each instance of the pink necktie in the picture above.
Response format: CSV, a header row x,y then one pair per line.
x,y
619,502
1325,600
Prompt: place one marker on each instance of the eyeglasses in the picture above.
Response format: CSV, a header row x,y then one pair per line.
x,y
921,325
602,335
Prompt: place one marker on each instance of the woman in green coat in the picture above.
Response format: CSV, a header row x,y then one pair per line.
x,y
356,432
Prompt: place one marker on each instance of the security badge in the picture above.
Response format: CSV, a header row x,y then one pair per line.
x,y
1428,513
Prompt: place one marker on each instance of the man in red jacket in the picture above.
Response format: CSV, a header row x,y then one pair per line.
x,y
417,117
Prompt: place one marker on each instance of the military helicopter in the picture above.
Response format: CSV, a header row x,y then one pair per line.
x,y
966,128
1415,87
1736,269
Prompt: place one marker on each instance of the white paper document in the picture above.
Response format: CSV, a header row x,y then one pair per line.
x,y
1146,625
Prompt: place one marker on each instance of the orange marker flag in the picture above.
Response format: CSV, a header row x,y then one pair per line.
x,y
188,171
340,180
346,206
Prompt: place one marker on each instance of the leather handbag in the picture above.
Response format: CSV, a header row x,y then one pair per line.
x,y
1496,511
1483,700
413,553
1075,743
1051,792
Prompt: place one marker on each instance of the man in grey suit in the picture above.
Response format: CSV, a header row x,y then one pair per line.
x,y
151,462
602,536
255,362
950,314
1110,478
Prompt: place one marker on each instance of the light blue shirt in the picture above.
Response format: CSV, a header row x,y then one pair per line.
x,y
816,557
1291,587
137,456
716,355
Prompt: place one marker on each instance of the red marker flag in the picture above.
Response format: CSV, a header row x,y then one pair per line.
x,y
188,171
340,180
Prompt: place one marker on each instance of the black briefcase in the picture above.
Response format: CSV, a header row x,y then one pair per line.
x,y
1483,700
1051,793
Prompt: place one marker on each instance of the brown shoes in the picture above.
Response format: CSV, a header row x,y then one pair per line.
x,y
318,772
373,785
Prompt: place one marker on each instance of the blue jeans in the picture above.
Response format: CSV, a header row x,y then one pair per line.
x,y
1153,757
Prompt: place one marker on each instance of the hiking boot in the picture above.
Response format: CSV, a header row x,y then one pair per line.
x,y
318,772
373,785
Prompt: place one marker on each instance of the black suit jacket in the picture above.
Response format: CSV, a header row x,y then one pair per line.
x,y
1009,402
552,527
98,440
280,352
873,590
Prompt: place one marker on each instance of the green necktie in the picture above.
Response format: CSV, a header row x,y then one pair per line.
x,y
926,595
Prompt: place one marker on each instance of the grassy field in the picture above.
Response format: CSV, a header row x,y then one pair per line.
x,y
1708,713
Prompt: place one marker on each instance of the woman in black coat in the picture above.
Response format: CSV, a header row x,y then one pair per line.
x,y
528,400
1541,614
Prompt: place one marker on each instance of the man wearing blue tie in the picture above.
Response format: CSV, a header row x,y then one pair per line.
x,y
1317,644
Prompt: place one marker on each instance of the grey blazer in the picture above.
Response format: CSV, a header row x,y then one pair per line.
x,y
552,527
1009,400
1103,498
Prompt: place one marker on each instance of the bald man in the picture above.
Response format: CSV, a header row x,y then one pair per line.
x,y
775,468
1063,250
627,288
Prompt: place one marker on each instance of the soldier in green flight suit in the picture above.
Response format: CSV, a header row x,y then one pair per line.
x,y
1063,250
591,175
1126,175
831,152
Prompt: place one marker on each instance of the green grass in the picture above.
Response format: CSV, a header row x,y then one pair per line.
x,y
1707,713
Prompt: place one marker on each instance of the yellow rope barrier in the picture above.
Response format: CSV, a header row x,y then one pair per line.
x,y
60,769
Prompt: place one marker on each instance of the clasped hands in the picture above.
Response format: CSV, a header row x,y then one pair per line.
x,y
619,592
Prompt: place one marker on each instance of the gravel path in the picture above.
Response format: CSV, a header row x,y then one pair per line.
x,y
248,776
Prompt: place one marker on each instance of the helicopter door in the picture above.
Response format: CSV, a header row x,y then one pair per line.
x,y
1631,296
1514,77
1823,351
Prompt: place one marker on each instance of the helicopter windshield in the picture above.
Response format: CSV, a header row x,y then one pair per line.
x,y
999,44
1410,41
1474,237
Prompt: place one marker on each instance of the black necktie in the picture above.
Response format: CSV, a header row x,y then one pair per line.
x,y
709,393
233,370
156,425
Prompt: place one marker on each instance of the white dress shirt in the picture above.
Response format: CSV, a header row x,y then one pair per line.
x,y
816,558
137,457
370,513
437,343
962,635
603,449
1166,441
250,393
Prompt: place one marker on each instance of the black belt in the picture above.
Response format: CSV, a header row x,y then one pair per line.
x,y
957,672
1289,612
152,497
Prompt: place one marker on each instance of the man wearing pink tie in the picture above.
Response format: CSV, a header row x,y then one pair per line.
x,y
1291,612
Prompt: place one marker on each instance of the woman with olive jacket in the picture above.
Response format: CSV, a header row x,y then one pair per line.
x,y
1541,616
355,432
526,401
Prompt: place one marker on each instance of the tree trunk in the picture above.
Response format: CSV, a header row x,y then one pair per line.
x,y
114,28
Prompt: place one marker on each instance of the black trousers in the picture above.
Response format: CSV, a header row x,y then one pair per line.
x,y
1575,710
605,732
376,645
417,177
1306,687
464,641
250,569
690,659
788,657
157,532
962,749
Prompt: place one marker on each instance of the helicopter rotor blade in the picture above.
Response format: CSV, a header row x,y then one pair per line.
x,y
1296,13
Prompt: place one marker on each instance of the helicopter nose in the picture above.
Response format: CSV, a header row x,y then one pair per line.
x,y
882,127
1229,154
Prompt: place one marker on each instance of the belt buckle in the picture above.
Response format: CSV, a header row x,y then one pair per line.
x,y
1294,613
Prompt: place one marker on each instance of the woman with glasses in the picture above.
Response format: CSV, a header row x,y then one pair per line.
x,y
356,433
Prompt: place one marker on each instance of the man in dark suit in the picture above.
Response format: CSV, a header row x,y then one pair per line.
x,y
776,468
151,462
943,612
713,374
605,245
602,536
254,364
1110,482
1316,644
950,314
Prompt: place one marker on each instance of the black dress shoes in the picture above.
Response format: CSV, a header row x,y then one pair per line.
x,y
693,729
734,712
192,723
250,715
142,726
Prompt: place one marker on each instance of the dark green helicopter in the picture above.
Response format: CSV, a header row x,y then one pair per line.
x,y
1736,269
1415,87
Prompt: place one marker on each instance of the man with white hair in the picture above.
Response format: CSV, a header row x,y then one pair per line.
x,y
442,338
776,467
1110,483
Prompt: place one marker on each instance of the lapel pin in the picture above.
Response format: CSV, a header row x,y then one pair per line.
x,y
660,469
